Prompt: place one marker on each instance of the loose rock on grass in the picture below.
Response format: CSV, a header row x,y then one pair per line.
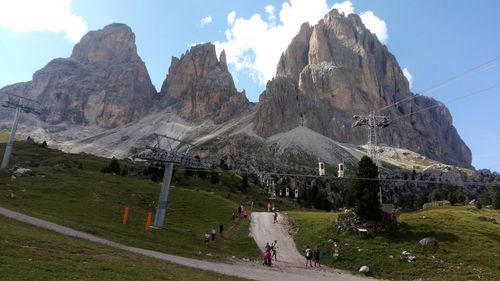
x,y
364,269
428,242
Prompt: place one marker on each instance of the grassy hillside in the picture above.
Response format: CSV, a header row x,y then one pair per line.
x,y
30,253
469,248
81,197
4,137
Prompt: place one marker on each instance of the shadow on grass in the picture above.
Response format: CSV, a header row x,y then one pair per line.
x,y
493,236
406,233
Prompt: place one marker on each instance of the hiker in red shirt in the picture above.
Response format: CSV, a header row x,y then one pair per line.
x,y
267,258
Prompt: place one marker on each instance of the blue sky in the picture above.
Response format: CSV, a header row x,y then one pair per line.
x,y
433,40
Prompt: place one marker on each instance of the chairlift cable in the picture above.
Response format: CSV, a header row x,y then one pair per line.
x,y
476,69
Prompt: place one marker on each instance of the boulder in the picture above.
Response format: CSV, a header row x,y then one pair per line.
x,y
428,242
364,269
19,172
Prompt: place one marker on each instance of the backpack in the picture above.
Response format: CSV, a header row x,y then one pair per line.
x,y
308,253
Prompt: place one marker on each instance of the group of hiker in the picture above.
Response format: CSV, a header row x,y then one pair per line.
x,y
270,252
212,234
312,255
242,212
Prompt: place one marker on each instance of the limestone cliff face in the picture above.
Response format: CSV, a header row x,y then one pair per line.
x,y
201,87
103,83
337,69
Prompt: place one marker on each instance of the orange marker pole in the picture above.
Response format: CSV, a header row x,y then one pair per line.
x,y
125,216
148,221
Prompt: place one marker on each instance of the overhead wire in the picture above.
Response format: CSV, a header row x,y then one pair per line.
x,y
237,172
490,64
448,102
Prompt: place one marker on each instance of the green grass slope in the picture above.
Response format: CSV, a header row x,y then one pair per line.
x,y
469,248
81,197
30,253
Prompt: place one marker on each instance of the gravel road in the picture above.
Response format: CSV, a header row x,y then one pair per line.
x,y
287,271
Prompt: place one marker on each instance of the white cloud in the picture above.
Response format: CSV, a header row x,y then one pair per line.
x,y
206,20
230,17
345,7
270,12
25,16
375,25
408,76
255,44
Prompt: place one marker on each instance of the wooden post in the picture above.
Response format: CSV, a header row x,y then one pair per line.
x,y
125,216
148,221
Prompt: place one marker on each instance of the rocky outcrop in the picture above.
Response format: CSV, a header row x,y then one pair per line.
x,y
201,87
337,69
104,82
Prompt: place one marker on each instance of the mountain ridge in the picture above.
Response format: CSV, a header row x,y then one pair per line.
x,y
329,72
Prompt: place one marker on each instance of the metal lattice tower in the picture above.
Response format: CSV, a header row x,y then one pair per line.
x,y
167,150
372,121
20,104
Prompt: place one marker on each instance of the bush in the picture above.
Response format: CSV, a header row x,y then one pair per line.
x,y
347,221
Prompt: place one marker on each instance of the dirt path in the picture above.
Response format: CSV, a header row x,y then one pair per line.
x,y
254,271
264,230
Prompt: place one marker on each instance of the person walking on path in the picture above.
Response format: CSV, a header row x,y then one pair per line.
x,y
316,257
267,258
274,248
267,248
309,256
213,233
206,238
275,217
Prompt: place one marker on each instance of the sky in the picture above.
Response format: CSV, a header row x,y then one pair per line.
x,y
448,49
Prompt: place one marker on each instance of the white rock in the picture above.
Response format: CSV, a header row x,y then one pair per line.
x,y
22,171
364,269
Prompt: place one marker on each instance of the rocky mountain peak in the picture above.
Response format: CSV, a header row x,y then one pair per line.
x,y
201,87
337,69
113,43
104,83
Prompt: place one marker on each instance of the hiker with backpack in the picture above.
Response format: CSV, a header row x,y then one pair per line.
x,y
274,249
309,256
316,255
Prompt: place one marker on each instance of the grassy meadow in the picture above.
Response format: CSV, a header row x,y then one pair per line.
x,y
468,247
31,253
81,197
70,190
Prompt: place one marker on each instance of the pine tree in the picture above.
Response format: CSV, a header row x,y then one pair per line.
x,y
114,166
365,192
